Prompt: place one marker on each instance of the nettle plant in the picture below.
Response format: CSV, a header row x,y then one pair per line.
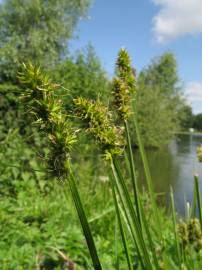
x,y
141,238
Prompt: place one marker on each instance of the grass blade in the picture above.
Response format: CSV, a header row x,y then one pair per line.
x,y
175,227
198,196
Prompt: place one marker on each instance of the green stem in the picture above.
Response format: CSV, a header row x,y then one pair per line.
x,y
198,196
175,227
126,215
133,215
84,222
124,241
132,170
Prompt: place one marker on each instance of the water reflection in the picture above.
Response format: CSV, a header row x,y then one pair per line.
x,y
174,166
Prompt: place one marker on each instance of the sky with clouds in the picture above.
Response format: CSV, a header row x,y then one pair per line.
x,y
148,28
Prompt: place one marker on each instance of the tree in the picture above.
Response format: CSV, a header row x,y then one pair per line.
x,y
162,72
83,75
186,117
197,122
37,31
159,100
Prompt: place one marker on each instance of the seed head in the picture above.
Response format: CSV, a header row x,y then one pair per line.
x,y
123,85
190,234
46,108
98,123
124,70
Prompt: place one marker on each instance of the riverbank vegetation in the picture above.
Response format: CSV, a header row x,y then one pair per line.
x,y
69,185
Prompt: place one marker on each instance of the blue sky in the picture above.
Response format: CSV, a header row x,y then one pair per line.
x,y
148,28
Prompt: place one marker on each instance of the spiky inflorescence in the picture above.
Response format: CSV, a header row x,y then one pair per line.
x,y
99,124
46,108
190,234
123,85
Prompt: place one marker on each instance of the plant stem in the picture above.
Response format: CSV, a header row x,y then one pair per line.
x,y
133,215
175,226
132,170
84,222
124,241
198,196
128,221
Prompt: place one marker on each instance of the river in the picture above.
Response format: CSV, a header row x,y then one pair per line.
x,y
175,166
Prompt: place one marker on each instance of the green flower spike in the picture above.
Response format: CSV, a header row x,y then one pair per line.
x,y
98,122
41,101
125,71
190,234
123,86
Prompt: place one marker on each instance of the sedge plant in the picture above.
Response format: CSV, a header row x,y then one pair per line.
x,y
111,132
42,103
98,122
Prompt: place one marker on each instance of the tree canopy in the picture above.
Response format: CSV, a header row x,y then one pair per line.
x,y
159,100
37,31
197,121
83,75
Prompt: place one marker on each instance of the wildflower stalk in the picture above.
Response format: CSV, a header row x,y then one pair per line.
x,y
46,108
98,122
123,88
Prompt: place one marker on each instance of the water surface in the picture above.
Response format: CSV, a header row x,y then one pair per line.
x,y
175,166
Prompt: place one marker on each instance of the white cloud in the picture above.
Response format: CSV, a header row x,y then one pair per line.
x,y
193,92
177,18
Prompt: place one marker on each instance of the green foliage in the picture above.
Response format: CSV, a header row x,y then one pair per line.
x,y
25,28
37,221
159,101
186,117
36,227
197,121
82,75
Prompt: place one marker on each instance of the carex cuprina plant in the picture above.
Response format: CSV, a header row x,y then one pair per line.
x,y
110,129
98,121
43,104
